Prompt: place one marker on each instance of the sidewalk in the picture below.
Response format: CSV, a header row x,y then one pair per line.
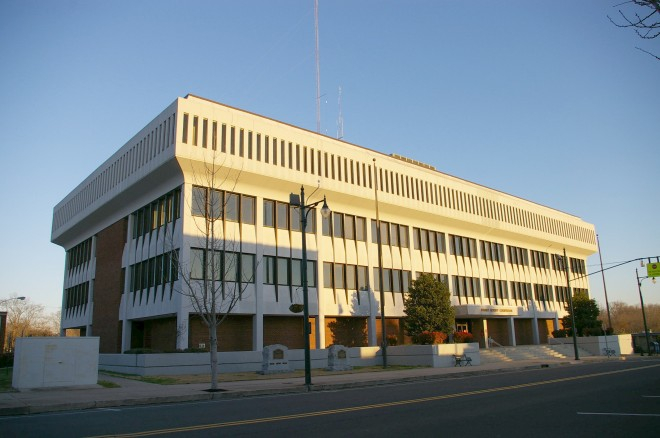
x,y
132,392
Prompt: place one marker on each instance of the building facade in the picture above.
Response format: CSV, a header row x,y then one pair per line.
x,y
133,229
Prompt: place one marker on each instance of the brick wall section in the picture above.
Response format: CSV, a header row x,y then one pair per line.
x,y
523,329
393,326
346,331
160,334
546,326
498,329
234,334
108,286
287,330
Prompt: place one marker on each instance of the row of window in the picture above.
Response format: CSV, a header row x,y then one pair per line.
x,y
345,226
340,225
76,296
236,141
521,291
394,280
220,204
154,215
540,259
287,217
542,292
390,234
154,272
578,266
466,286
211,264
518,256
495,289
462,246
79,254
340,276
427,240
286,271
492,251
562,295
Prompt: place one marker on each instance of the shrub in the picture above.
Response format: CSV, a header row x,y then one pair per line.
x,y
141,351
392,340
561,333
6,360
428,338
463,337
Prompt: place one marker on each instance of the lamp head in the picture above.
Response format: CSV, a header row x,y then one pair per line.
x,y
325,210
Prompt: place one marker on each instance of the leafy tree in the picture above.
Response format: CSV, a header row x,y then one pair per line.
x,y
586,314
428,307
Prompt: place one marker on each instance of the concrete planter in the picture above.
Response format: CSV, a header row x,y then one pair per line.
x,y
441,355
437,356
621,344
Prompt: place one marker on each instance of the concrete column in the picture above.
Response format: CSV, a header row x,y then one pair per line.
x,y
182,330
371,322
535,325
512,331
484,322
320,331
258,319
126,335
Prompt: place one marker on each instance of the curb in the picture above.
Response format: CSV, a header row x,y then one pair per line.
x,y
236,394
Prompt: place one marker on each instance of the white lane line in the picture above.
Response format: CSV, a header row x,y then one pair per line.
x,y
618,414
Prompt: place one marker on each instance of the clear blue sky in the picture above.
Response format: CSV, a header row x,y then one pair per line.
x,y
544,100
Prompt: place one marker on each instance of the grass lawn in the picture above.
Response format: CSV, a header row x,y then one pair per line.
x,y
5,379
233,377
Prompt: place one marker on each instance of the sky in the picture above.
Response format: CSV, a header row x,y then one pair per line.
x,y
548,101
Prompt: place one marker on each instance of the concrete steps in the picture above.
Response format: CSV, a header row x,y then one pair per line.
x,y
528,352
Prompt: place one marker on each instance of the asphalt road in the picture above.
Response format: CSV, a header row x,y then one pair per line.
x,y
606,399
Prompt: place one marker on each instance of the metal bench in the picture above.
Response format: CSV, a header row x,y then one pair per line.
x,y
462,360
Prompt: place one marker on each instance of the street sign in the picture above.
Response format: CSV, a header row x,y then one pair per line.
x,y
653,269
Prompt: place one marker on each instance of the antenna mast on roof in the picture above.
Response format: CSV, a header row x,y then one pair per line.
x,y
318,68
340,121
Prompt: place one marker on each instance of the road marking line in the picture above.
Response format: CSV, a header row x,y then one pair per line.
x,y
618,414
368,407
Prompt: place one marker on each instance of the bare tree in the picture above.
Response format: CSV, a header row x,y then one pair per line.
x,y
627,318
214,277
25,318
641,15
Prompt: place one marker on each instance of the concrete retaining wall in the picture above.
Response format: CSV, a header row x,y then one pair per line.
x,y
621,344
251,361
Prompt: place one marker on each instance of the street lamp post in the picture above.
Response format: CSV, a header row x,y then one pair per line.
x,y
304,211
641,301
570,301
11,299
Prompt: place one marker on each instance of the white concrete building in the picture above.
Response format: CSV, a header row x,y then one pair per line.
x,y
122,224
